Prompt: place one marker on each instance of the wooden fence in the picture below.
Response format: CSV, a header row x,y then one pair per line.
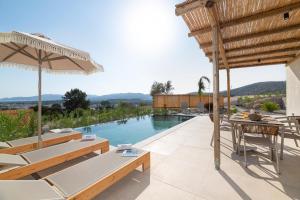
x,y
175,101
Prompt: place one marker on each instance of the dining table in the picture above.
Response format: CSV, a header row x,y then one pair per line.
x,y
236,120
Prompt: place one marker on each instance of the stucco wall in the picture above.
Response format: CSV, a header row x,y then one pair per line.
x,y
293,87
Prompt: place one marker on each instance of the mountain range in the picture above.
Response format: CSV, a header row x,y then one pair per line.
x,y
252,89
259,88
57,97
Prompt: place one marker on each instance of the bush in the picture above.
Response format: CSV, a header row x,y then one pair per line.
x,y
270,106
233,110
20,125
160,111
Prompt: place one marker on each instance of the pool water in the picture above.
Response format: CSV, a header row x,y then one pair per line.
x,y
133,130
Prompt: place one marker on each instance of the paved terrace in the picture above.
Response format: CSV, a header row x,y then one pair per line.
x,y
183,168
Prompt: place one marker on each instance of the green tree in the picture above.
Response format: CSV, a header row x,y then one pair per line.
x,y
161,88
201,85
157,88
75,99
56,108
168,87
105,104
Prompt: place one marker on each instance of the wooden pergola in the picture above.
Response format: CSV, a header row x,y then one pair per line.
x,y
242,33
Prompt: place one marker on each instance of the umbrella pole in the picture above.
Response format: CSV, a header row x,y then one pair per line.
x,y
40,102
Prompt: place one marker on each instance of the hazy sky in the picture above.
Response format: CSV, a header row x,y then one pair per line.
x,y
137,41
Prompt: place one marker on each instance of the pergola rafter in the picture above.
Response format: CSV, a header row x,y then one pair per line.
x,y
260,60
188,6
249,18
261,45
256,34
257,65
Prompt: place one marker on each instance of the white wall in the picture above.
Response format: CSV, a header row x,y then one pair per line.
x,y
293,87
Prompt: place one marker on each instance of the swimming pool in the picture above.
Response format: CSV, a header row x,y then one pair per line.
x,y
133,130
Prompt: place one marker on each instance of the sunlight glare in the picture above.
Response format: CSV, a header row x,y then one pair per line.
x,y
148,27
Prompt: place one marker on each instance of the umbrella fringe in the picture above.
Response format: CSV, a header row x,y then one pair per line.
x,y
48,46
43,44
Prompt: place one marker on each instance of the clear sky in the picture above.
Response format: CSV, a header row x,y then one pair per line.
x,y
137,41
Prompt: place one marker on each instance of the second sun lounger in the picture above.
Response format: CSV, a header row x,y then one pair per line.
x,y
41,159
97,174
30,143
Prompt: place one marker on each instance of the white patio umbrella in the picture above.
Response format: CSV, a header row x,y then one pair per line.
x,y
35,51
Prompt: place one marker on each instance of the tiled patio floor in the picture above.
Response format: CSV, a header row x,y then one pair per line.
x,y
183,168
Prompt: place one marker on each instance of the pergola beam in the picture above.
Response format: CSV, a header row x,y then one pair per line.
x,y
214,21
257,34
256,65
260,45
261,54
249,18
186,7
260,60
264,53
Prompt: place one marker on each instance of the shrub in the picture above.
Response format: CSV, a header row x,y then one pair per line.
x,y
160,111
269,106
15,126
233,110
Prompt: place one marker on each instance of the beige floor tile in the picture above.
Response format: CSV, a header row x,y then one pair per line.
x,y
182,167
144,187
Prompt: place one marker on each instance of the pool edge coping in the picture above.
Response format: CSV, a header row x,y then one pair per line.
x,y
162,134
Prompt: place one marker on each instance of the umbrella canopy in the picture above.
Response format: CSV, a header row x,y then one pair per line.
x,y
26,50
36,51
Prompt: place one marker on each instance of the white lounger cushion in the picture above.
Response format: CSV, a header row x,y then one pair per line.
x,y
27,190
57,150
4,145
11,160
63,130
33,139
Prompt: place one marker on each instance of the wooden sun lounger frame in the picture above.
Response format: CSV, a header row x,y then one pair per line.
x,y
46,143
99,186
25,170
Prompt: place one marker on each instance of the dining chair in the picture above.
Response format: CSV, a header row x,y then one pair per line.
x,y
290,130
264,135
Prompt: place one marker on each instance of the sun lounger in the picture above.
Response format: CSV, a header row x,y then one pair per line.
x,y
27,190
44,158
98,173
30,143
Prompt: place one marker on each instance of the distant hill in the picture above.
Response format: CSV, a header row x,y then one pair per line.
x,y
252,89
123,96
57,97
45,97
259,88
